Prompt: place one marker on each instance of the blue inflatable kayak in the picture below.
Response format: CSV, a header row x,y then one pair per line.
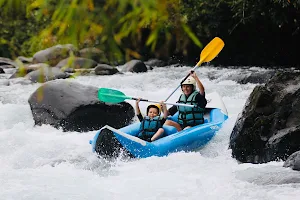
x,y
111,142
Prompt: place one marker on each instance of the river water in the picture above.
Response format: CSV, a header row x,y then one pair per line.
x,y
43,163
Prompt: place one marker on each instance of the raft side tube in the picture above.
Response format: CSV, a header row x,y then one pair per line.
x,y
106,145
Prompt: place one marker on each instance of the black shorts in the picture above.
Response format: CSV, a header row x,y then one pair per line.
x,y
184,126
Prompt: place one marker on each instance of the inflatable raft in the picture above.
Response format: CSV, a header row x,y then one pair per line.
x,y
111,142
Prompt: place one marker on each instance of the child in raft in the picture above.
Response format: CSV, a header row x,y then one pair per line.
x,y
151,125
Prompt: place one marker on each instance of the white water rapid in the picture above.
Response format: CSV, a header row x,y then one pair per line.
x,y
43,163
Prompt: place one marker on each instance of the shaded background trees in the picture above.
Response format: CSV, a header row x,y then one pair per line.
x,y
259,33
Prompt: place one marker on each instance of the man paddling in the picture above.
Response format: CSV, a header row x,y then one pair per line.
x,y
189,116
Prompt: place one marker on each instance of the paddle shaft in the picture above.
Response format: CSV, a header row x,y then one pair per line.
x,y
174,104
114,96
211,50
197,65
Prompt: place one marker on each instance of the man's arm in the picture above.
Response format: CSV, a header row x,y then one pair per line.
x,y
172,110
199,84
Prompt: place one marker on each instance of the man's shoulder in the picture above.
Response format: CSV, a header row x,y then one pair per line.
x,y
201,99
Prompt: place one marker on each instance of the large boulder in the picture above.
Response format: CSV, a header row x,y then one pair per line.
x,y
75,107
155,63
54,54
104,69
268,128
293,161
134,66
45,74
7,61
256,77
76,63
243,75
92,53
2,71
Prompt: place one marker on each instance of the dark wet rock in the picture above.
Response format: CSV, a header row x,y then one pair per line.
x,y
155,63
174,61
269,127
149,67
55,54
92,53
75,107
45,74
134,66
76,63
257,77
7,66
68,70
243,76
2,71
293,161
7,61
103,69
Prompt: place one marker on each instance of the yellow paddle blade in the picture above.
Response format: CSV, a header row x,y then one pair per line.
x,y
211,50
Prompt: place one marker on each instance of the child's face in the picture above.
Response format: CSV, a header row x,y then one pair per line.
x,y
153,112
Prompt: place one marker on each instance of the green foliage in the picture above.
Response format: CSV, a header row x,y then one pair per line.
x,y
211,15
277,11
123,29
107,24
206,16
18,26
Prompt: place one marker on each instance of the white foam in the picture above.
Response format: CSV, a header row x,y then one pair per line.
x,y
45,163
